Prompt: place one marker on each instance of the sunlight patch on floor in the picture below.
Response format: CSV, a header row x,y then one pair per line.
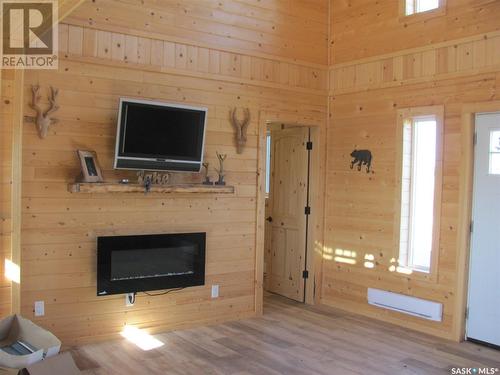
x,y
140,338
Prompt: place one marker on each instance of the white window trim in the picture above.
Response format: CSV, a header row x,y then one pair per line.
x,y
267,186
420,16
414,6
405,115
490,153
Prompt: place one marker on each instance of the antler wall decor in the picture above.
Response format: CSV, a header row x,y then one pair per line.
x,y
220,171
241,128
42,118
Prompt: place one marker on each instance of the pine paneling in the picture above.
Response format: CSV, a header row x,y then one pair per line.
x,y
164,56
7,103
382,63
463,57
270,56
366,28
293,30
59,229
361,210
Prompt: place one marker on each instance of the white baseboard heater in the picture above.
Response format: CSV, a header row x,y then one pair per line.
x,y
406,304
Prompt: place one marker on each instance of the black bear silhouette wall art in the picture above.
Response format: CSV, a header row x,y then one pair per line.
x,y
361,157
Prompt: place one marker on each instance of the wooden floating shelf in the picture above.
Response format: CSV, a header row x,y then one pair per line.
x,y
112,187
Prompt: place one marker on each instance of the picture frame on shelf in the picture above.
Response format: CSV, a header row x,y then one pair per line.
x,y
91,171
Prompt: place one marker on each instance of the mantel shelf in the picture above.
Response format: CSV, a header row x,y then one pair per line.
x,y
115,187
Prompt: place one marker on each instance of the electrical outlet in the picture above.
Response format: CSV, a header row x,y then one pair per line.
x,y
39,308
215,291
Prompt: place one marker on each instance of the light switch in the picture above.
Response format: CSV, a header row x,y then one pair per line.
x,y
39,308
215,291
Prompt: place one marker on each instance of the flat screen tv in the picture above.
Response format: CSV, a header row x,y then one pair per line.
x,y
159,136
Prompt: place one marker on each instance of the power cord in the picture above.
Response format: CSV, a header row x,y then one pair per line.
x,y
163,293
131,298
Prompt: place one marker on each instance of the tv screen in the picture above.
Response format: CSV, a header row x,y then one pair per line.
x,y
159,136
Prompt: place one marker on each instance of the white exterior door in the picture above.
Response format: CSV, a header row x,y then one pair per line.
x,y
483,322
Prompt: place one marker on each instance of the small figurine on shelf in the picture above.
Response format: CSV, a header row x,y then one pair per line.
x,y
165,178
147,184
220,171
140,177
155,178
206,181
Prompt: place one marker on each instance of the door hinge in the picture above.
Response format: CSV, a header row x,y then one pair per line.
x,y
305,274
307,210
471,226
474,141
466,313
309,145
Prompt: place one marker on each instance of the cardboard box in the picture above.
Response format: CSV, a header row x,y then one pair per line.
x,y
15,328
61,364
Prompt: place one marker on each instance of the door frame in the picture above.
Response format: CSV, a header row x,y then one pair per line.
x,y
465,196
316,193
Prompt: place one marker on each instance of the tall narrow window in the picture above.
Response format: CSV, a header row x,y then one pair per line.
x,y
419,6
420,191
268,163
494,167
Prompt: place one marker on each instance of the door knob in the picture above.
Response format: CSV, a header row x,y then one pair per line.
x,y
270,219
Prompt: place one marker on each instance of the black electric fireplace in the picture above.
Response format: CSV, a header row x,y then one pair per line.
x,y
128,264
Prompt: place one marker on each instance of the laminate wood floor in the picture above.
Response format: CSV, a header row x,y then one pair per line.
x,y
289,339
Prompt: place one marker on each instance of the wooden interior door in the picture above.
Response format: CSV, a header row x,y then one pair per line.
x,y
286,224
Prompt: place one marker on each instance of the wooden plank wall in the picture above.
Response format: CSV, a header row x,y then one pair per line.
x,y
292,29
6,104
365,96
10,176
98,66
366,28
458,58
270,56
120,49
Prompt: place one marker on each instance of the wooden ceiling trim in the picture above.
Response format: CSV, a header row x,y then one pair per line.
x,y
450,43
104,47
444,61
198,43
